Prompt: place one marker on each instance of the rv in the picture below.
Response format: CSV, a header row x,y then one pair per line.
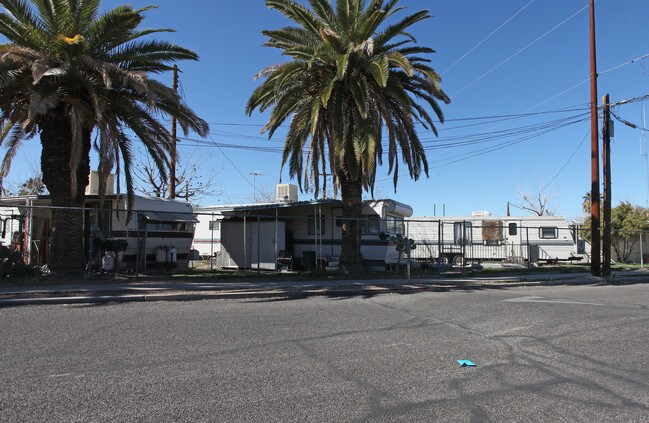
x,y
156,226
482,237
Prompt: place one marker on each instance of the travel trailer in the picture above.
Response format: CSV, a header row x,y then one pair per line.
x,y
158,233
482,237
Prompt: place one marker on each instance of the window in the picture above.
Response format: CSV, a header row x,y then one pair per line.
x,y
548,232
395,225
316,225
513,229
458,237
215,225
154,225
492,232
370,225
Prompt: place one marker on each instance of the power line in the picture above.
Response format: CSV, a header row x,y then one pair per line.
x,y
429,144
518,52
565,164
486,38
231,162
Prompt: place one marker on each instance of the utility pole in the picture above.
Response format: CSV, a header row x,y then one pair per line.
x,y
172,163
606,163
595,247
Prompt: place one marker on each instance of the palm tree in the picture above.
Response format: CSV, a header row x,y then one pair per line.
x,y
586,202
348,82
69,71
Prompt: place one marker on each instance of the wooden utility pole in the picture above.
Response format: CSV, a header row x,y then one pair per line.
x,y
606,163
172,162
595,247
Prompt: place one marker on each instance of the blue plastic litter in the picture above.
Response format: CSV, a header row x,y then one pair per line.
x,y
466,363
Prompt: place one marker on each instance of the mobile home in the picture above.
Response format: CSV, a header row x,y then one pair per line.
x,y
482,237
155,224
251,236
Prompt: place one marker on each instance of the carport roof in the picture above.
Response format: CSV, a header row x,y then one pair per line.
x,y
269,206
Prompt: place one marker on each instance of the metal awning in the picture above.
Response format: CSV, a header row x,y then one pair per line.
x,y
160,216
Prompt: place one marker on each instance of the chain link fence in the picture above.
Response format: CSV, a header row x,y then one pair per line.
x,y
164,240
264,242
110,238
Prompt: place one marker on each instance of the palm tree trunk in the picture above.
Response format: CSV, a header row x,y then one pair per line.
x,y
67,243
352,197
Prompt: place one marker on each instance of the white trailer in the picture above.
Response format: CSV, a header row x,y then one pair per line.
x,y
482,237
309,231
155,223
207,236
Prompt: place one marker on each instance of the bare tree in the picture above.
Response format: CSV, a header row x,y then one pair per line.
x,y
264,194
538,203
195,179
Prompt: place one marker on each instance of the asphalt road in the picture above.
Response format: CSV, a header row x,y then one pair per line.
x,y
545,354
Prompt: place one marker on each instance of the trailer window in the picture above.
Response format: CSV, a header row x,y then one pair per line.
x,y
548,232
153,225
492,232
394,225
370,225
460,238
513,229
215,225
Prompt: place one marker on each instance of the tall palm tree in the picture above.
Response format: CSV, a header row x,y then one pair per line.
x,y
347,83
69,71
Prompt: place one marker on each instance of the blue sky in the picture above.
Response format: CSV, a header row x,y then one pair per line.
x,y
519,58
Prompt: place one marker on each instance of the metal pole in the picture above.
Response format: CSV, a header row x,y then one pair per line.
x,y
212,243
321,232
439,246
245,243
464,240
146,236
139,243
30,235
276,239
91,252
595,265
529,251
258,242
254,185
407,245
315,232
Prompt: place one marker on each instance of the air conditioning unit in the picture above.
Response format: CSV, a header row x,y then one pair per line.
x,y
93,184
286,193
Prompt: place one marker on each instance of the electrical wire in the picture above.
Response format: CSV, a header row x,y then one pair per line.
x,y
231,162
487,37
518,52
565,164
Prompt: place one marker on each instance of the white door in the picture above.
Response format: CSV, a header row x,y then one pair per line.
x,y
513,239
